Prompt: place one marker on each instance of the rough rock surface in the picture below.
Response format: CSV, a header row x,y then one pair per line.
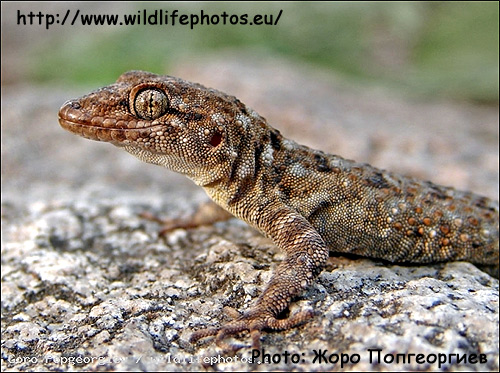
x,y
87,284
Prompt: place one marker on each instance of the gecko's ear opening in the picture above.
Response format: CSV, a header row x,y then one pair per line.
x,y
216,139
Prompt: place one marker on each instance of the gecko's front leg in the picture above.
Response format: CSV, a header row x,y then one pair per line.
x,y
306,254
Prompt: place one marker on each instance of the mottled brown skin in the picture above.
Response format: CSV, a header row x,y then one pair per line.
x,y
307,201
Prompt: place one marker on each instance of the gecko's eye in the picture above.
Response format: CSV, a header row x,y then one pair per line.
x,y
150,103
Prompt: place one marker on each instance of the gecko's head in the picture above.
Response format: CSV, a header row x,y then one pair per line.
x,y
167,121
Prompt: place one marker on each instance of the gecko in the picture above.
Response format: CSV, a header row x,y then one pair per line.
x,y
308,202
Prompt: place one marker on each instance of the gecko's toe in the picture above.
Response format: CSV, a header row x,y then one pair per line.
x,y
252,321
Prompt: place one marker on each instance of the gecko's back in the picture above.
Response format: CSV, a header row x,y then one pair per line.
x,y
362,210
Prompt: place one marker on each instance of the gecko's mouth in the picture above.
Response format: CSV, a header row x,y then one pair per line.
x,y
117,132
92,132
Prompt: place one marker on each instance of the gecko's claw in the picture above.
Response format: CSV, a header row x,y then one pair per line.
x,y
252,321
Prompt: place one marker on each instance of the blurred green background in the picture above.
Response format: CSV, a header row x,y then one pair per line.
x,y
429,49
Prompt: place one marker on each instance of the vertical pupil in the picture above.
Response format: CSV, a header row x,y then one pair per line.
x,y
150,103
